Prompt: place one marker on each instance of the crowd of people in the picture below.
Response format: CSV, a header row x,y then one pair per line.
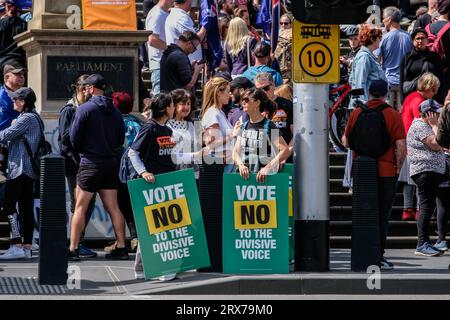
x,y
246,116
405,78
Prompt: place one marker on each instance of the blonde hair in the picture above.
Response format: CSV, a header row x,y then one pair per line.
x,y
428,81
211,93
285,91
237,35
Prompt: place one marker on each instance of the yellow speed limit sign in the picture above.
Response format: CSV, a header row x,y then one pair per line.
x,y
316,53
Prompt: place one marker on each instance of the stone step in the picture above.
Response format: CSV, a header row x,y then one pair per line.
x,y
393,242
345,199
396,228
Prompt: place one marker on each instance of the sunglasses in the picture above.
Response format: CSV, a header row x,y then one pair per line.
x,y
285,23
266,88
420,39
246,99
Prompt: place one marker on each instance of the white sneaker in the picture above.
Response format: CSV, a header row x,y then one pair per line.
x,y
13,253
28,253
168,277
139,275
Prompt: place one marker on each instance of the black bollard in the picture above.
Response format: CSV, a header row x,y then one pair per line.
x,y
366,245
210,192
53,251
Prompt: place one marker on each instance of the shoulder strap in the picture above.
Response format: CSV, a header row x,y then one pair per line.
x,y
267,127
248,52
245,125
443,30
382,106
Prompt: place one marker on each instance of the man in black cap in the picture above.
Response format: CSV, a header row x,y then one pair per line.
x,y
238,86
388,164
96,132
352,34
10,26
14,77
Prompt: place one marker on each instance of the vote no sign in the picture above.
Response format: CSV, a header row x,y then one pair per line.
x,y
255,224
169,223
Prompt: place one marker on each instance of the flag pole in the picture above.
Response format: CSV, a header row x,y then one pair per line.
x,y
271,26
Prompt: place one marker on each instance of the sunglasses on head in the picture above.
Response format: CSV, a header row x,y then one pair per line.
x,y
266,88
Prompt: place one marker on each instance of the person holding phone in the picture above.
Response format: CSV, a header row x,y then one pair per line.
x,y
176,69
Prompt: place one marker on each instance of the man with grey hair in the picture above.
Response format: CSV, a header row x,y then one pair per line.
x,y
394,45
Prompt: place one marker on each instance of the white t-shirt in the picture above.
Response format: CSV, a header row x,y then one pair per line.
x,y
215,116
177,22
155,22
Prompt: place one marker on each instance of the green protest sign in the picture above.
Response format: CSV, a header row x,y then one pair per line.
x,y
289,169
255,224
169,223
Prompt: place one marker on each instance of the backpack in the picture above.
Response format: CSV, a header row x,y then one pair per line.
x,y
369,136
435,41
126,169
132,127
44,148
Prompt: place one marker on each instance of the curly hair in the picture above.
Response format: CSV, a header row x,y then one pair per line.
x,y
368,35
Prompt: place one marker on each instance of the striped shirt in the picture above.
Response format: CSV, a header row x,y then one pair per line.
x,y
26,125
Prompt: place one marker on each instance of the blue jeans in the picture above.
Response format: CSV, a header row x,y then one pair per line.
x,y
155,79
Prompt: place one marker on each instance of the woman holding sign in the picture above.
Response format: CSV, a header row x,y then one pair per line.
x,y
259,138
153,152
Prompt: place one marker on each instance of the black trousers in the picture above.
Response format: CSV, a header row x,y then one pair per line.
x,y
20,190
429,195
387,187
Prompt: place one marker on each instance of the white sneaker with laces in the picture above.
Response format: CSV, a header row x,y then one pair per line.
x,y
168,277
28,253
139,275
13,253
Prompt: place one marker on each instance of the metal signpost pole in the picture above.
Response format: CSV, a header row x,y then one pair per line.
x,y
311,177
315,66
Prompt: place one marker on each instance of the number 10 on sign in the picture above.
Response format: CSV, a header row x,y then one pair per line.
x,y
316,53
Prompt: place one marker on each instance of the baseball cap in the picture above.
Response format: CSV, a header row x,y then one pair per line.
x,y
378,88
430,105
26,94
224,75
352,31
95,80
241,83
9,68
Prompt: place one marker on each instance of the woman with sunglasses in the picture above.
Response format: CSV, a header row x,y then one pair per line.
x,y
285,22
259,147
24,133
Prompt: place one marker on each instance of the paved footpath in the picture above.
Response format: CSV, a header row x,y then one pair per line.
x,y
104,279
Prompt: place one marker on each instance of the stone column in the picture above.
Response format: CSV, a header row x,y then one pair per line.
x,y
52,14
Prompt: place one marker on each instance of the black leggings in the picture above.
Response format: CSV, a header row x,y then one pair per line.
x,y
431,195
20,190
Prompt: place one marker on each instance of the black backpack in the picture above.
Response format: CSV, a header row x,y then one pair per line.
x,y
369,136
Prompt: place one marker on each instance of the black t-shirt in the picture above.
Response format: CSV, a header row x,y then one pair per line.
x,y
10,27
256,148
283,118
157,140
176,70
